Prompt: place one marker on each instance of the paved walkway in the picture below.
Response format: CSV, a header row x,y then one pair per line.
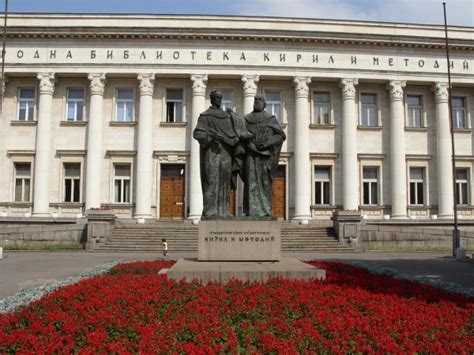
x,y
19,270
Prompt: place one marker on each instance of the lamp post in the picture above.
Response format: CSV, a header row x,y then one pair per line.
x,y
456,239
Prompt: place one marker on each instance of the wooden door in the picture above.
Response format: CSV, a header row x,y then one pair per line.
x,y
279,193
172,191
232,197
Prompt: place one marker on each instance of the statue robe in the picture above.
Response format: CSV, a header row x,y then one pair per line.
x,y
217,138
261,163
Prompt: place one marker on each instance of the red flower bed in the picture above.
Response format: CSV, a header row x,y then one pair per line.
x,y
135,310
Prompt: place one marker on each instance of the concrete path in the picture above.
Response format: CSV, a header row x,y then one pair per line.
x,y
20,270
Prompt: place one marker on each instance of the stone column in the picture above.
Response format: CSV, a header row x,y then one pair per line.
x,y
443,152
397,149
95,151
145,147
350,174
250,90
302,170
43,146
199,83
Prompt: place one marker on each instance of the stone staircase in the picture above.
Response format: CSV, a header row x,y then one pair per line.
x,y
130,236
310,238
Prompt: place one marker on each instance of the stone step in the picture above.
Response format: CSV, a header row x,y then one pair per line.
x,y
173,241
159,232
129,236
295,246
132,247
195,237
151,244
194,233
160,250
154,237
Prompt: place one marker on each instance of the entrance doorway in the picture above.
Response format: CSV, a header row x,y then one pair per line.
x,y
279,193
172,191
232,202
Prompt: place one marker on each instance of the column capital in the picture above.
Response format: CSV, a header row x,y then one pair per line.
x,y
147,83
441,92
199,84
250,84
97,85
348,88
395,87
301,86
46,85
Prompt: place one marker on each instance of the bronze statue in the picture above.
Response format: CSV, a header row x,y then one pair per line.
x,y
261,159
233,145
218,139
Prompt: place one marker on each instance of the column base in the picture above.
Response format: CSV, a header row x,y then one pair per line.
x,y
194,219
402,216
41,214
92,207
300,219
145,216
446,216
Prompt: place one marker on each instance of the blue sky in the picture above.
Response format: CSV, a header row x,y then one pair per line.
x,y
460,12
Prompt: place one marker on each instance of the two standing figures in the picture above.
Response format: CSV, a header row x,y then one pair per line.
x,y
232,145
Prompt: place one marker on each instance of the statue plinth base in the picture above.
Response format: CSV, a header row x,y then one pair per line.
x,y
243,249
223,271
239,240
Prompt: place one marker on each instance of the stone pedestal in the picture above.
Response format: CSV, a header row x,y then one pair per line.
x,y
232,240
223,271
100,224
246,250
347,227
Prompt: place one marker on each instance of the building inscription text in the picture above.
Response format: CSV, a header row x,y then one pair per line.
x,y
190,56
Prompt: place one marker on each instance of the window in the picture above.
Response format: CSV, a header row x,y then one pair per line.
x,y
417,188
369,110
174,105
459,112
322,185
26,105
273,100
227,100
122,183
22,182
72,182
75,104
321,107
461,187
370,183
414,111
124,105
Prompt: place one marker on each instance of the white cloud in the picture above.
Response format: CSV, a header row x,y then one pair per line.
x,y
460,12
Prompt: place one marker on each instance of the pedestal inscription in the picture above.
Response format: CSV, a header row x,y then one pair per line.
x,y
239,241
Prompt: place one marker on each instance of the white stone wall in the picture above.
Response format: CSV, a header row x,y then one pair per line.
x,y
171,142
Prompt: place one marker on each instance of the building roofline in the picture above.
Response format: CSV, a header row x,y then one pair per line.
x,y
235,28
131,15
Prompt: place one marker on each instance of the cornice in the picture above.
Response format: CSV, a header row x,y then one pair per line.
x,y
233,34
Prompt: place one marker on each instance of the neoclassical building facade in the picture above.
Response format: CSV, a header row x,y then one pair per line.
x,y
98,112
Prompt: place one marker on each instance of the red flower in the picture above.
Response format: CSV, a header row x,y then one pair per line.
x,y
135,310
